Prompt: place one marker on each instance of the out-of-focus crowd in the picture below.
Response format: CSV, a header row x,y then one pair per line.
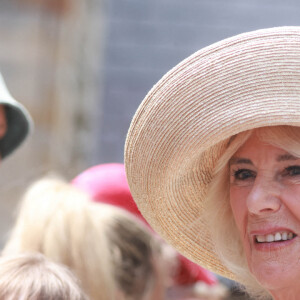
x,y
86,239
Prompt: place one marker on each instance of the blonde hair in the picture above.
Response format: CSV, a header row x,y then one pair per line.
x,y
107,248
219,216
135,252
32,276
56,220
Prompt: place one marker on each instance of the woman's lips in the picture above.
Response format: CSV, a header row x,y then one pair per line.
x,y
272,239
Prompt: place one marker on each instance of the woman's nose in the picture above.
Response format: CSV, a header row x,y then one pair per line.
x,y
264,197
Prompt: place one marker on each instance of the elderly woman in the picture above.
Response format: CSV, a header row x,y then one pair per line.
x,y
213,159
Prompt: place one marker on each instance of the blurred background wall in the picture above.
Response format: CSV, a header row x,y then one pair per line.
x,y
82,67
146,38
50,57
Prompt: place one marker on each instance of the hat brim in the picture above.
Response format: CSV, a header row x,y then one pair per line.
x,y
183,125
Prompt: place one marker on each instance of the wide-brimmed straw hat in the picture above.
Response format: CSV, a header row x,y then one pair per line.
x,y
19,122
183,126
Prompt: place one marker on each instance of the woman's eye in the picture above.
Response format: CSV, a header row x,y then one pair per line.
x,y
244,174
292,171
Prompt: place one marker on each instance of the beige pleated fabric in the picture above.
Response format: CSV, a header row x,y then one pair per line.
x,y
182,126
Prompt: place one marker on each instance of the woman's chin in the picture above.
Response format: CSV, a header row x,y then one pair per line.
x,y
267,280
275,266
274,275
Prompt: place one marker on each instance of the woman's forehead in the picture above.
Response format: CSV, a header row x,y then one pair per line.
x,y
283,138
254,147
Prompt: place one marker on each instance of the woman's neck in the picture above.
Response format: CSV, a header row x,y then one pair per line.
x,y
289,293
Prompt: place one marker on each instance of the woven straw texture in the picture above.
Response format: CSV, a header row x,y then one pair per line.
x,y
181,128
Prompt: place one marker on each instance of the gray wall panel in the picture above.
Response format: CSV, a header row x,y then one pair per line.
x,y
145,38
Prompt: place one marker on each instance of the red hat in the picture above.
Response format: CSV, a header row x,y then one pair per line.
x,y
107,183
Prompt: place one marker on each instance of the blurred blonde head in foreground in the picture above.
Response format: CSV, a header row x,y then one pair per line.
x,y
111,252
32,276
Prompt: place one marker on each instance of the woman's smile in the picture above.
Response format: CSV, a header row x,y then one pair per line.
x,y
272,239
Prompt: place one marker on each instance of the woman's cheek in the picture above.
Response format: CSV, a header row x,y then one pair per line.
x,y
238,203
290,196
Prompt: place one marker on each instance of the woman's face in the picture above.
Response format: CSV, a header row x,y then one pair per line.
x,y
265,201
3,125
